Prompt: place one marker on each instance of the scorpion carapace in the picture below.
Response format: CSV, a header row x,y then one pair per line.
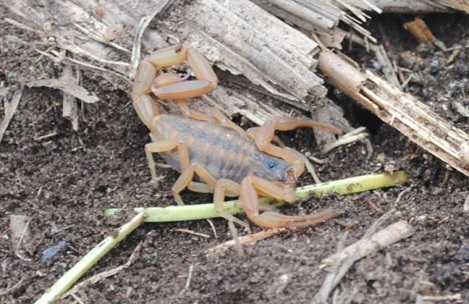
x,y
227,159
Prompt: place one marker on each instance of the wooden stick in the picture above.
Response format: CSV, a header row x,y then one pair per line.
x,y
382,239
247,239
344,260
400,110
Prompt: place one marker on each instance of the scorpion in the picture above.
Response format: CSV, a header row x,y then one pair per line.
x,y
228,160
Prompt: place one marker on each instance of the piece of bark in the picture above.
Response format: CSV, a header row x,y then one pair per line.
x,y
400,110
277,57
403,6
422,33
100,37
247,239
70,106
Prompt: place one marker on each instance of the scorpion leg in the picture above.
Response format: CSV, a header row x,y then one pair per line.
x,y
212,185
186,177
158,147
209,184
251,185
187,170
199,187
222,187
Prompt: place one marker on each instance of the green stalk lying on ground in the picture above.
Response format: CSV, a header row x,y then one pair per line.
x,y
89,260
204,211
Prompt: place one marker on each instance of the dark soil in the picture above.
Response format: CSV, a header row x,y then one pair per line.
x,y
64,182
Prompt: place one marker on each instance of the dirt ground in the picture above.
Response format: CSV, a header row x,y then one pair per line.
x,y
64,181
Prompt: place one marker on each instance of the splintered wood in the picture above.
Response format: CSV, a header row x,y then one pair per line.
x,y
400,110
278,57
237,36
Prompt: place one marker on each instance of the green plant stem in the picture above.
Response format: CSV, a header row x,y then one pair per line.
x,y
205,211
90,259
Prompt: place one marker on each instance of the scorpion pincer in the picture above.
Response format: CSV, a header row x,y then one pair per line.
x,y
228,160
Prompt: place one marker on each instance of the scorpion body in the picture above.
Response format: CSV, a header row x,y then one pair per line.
x,y
228,160
224,152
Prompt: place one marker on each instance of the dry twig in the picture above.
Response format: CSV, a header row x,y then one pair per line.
x,y
382,239
251,238
204,235
343,260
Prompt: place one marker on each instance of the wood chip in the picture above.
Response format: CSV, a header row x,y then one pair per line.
x,y
422,33
20,232
204,235
10,109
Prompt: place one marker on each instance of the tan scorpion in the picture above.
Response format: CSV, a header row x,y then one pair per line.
x,y
228,160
